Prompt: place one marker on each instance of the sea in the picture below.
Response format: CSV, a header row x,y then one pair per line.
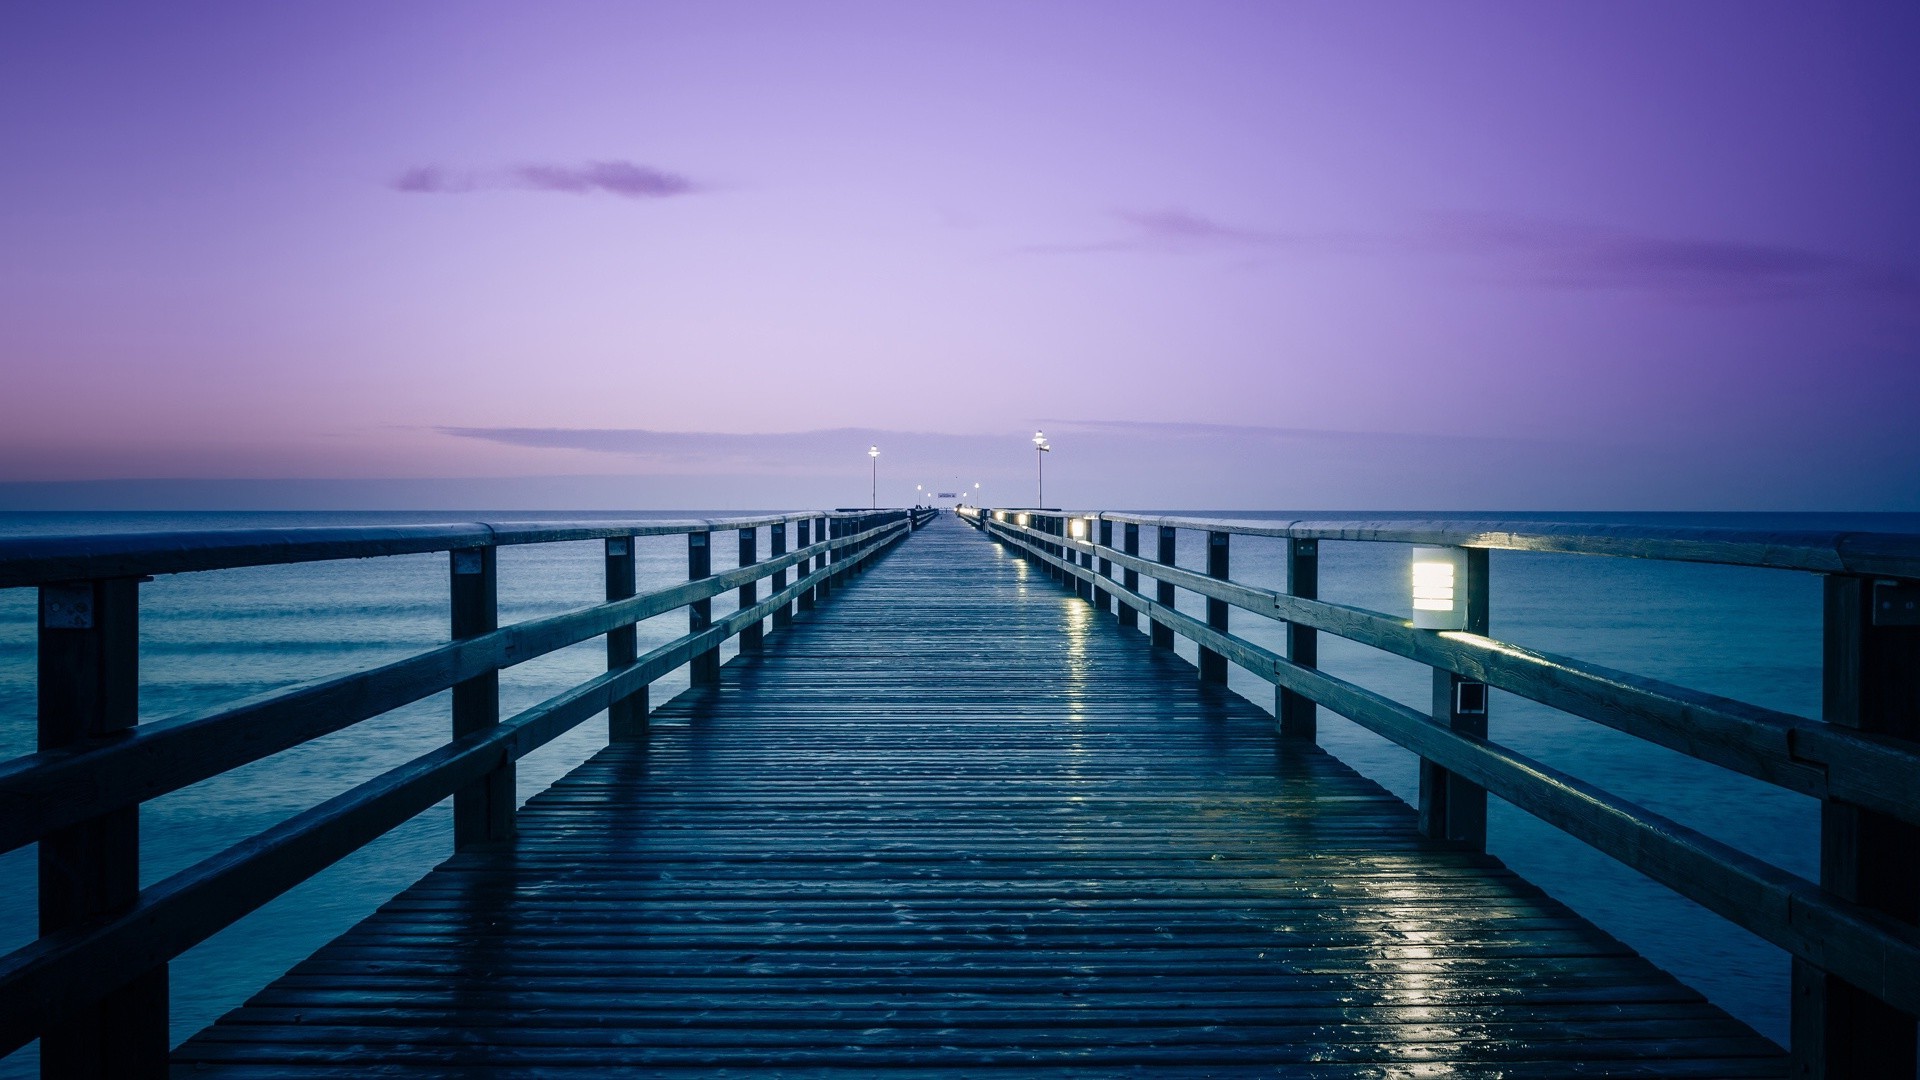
x,y
217,636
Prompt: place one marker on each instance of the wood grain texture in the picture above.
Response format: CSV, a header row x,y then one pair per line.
x,y
955,821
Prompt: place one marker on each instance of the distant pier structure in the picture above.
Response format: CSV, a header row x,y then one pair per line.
x,y
948,811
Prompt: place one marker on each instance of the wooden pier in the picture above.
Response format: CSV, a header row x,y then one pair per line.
x,y
955,821
950,816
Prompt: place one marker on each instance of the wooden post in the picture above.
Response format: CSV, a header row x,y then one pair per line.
x,y
1213,665
805,540
704,668
1083,587
835,527
777,546
1296,714
1451,807
1871,683
752,634
1103,599
89,684
1130,578
1163,592
627,717
483,810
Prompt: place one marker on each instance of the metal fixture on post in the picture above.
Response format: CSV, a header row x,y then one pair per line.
x,y
1040,448
874,453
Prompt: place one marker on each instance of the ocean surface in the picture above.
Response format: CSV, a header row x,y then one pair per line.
x,y
213,637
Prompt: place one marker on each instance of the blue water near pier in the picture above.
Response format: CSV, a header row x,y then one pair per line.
x,y
214,637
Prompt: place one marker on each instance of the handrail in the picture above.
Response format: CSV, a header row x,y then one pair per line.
x,y
48,795
1830,928
1814,551
55,788
1794,752
38,560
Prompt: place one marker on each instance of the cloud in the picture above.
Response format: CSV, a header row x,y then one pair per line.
x,y
623,178
432,179
789,452
614,177
1176,230
1560,256
1539,254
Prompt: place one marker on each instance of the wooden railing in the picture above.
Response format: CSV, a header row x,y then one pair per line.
x,y
93,986
1856,949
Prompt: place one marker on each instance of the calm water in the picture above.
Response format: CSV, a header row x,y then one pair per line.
x,y
217,636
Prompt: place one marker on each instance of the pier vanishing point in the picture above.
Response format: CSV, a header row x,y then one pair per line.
x,y
958,808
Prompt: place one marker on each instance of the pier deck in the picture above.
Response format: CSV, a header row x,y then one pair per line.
x,y
956,821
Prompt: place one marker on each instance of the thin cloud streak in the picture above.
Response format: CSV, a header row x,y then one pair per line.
x,y
1543,255
1559,256
623,178
1176,230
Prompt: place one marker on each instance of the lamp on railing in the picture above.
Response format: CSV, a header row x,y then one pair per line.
x,y
1077,528
1439,588
874,453
1021,520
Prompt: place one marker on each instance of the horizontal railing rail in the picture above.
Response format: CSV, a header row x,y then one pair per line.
x,y
1856,949
40,560
92,986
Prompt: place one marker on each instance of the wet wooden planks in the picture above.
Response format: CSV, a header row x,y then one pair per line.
x,y
955,821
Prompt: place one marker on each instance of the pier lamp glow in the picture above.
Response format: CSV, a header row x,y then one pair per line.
x,y
874,453
1439,588
1022,520
1077,528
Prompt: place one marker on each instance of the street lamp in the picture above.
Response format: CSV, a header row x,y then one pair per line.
x,y
874,453
1040,447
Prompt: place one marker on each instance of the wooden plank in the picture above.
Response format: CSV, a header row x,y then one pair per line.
x,y
934,830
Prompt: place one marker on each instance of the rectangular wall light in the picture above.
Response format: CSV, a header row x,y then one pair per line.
x,y
1439,588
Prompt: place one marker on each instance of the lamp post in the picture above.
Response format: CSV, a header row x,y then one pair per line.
x,y
874,453
1040,448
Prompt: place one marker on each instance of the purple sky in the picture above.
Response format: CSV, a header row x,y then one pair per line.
x,y
1527,256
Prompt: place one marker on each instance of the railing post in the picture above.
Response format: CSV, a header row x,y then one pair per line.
x,y
1103,599
835,528
1297,716
776,547
1451,807
1083,587
1129,578
627,717
753,633
805,566
89,684
829,530
704,668
483,810
1213,665
1870,683
1162,633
